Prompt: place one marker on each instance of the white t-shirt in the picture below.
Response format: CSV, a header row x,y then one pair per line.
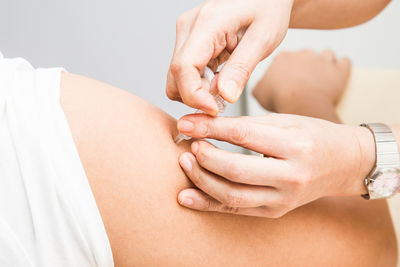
x,y
48,215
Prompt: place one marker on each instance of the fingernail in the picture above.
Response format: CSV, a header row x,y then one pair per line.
x,y
209,105
186,201
211,111
195,147
185,126
185,163
230,90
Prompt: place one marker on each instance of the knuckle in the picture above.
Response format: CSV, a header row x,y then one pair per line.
x,y
176,66
219,40
209,127
233,198
209,205
304,180
205,128
239,132
228,209
295,183
305,146
171,93
242,70
292,180
235,170
197,178
201,156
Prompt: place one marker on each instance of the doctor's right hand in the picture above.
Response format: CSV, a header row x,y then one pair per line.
x,y
240,33
305,159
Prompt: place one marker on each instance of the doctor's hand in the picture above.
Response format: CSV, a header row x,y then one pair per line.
x,y
305,159
240,33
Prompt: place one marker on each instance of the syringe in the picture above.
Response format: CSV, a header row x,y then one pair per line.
x,y
209,76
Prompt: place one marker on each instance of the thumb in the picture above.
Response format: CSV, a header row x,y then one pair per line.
x,y
253,47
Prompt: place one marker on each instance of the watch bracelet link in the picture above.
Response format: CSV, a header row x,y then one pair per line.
x,y
386,151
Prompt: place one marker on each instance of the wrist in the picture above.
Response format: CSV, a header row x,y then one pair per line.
x,y
366,160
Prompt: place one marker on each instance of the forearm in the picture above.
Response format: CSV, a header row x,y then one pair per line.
x,y
316,108
327,14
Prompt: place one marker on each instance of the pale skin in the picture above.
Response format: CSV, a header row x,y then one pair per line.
x,y
306,158
242,33
295,146
304,83
127,150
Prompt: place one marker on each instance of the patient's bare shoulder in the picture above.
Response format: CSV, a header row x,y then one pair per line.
x,y
127,149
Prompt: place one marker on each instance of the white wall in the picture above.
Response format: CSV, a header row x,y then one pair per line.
x,y
375,44
123,42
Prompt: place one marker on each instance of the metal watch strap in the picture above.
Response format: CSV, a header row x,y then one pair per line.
x,y
386,150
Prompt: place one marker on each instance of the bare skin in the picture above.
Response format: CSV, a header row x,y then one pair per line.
x,y
304,83
306,158
127,149
336,14
315,88
246,34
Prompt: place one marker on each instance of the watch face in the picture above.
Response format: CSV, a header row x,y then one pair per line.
x,y
384,183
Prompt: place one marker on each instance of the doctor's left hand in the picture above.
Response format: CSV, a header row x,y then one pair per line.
x,y
305,159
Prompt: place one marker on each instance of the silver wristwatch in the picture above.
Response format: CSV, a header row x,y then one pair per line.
x,y
384,179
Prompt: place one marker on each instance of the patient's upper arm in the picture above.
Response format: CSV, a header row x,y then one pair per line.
x,y
127,149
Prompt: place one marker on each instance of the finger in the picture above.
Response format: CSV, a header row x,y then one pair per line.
x,y
216,62
197,95
240,168
195,199
184,25
173,94
232,39
329,55
344,64
191,90
213,85
252,48
172,90
257,134
200,47
204,44
226,192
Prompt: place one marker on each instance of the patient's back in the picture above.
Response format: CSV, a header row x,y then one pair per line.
x,y
130,159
